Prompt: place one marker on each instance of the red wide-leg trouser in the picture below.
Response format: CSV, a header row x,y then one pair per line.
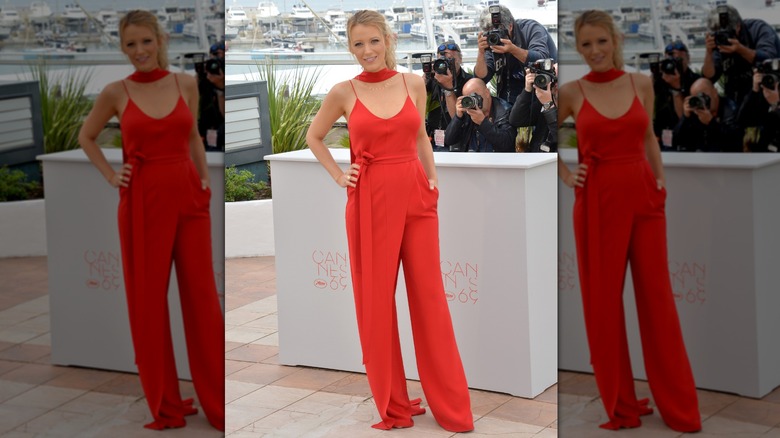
x,y
619,217
164,217
392,218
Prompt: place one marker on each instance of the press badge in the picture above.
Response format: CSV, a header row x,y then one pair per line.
x,y
211,138
438,137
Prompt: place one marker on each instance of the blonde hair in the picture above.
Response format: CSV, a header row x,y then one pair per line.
x,y
374,18
149,20
595,17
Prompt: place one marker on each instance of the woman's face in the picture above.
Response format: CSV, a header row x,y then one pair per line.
x,y
597,47
141,45
369,47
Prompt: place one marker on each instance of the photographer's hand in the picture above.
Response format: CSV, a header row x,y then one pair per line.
x,y
476,114
482,44
687,107
733,47
218,80
509,47
673,80
771,96
544,94
704,115
444,80
757,78
529,80
459,110
709,43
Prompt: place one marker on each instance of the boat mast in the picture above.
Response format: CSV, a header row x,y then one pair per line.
x,y
429,26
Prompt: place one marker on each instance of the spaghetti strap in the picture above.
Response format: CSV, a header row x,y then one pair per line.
x,y
633,85
405,86
175,76
582,90
126,90
353,88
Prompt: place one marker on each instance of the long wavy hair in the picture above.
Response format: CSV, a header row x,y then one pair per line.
x,y
149,20
374,18
595,17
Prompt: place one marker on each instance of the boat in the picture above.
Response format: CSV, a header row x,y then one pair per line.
x,y
5,33
338,31
74,13
236,17
301,12
39,13
231,32
267,9
9,16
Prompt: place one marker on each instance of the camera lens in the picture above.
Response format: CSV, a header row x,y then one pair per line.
x,y
542,80
769,81
494,39
468,102
668,66
441,66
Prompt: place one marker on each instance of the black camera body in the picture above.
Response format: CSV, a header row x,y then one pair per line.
x,y
699,101
499,32
670,65
211,65
770,68
545,72
473,100
443,65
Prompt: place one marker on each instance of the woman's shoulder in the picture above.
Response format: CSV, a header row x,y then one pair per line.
x,y
186,80
570,88
114,89
414,78
641,80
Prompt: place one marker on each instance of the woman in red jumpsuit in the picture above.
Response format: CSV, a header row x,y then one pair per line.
x,y
163,217
392,218
619,217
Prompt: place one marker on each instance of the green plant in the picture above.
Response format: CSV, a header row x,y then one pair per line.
x,y
241,186
344,141
63,106
15,187
290,104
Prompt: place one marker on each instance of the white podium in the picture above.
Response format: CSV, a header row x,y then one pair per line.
x,y
498,239
722,214
89,322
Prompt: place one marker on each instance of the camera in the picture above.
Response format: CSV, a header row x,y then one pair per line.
x,y
670,65
724,31
443,65
545,72
699,101
499,32
473,100
770,68
213,66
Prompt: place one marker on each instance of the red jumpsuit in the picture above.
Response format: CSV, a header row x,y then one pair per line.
x,y
619,217
391,217
164,216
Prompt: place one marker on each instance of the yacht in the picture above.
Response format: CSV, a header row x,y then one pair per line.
x,y
9,16
236,17
40,12
301,12
73,12
267,9
339,31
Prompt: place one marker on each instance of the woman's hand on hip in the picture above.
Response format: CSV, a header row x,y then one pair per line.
x,y
577,178
350,177
121,178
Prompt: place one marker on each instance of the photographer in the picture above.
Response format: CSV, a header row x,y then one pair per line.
x,y
536,107
709,122
443,82
672,80
481,122
211,85
505,45
760,107
734,47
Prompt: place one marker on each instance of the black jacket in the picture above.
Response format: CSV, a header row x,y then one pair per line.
x,y
439,118
723,134
491,136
